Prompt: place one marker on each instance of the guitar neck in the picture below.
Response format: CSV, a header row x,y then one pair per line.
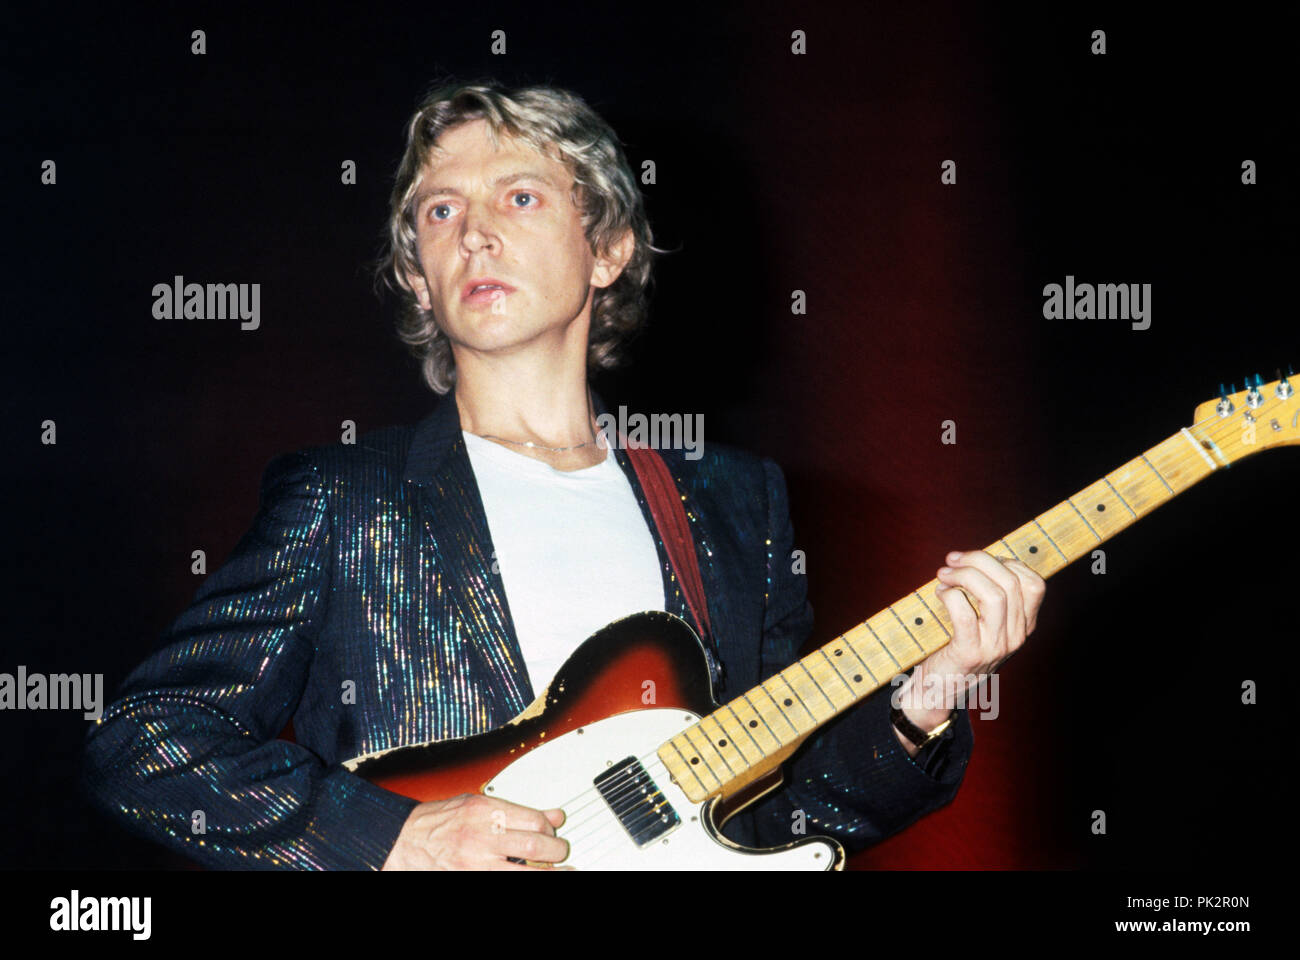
x,y
755,732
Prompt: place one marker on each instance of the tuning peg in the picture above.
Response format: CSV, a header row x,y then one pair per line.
x,y
1224,407
1253,397
1283,389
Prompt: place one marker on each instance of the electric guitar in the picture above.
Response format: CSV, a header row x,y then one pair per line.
x,y
649,787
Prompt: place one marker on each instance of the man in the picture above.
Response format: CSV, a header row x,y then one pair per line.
x,y
427,582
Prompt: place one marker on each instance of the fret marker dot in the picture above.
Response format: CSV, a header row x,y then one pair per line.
x,y
839,653
753,723
1101,508
722,743
1033,549
788,701
918,621
695,759
857,678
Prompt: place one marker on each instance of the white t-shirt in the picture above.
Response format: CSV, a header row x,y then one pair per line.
x,y
572,546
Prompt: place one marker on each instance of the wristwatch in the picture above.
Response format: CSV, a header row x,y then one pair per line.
x,y
914,733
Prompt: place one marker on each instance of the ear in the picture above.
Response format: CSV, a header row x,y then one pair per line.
x,y
420,289
609,266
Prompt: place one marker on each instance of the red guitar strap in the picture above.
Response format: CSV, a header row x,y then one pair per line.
x,y
670,517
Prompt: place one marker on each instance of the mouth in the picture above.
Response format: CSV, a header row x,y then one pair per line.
x,y
484,290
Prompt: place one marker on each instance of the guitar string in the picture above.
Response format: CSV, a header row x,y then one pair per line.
x,y
619,796
603,811
628,783
587,843
613,829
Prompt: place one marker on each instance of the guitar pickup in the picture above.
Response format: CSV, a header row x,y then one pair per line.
x,y
637,801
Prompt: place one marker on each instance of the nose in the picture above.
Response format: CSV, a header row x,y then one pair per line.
x,y
479,230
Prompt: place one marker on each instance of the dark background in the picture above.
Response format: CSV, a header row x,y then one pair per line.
x,y
775,173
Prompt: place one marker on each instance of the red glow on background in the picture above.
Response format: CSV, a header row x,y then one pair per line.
x,y
908,283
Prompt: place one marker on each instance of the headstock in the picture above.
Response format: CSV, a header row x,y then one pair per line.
x,y
1260,417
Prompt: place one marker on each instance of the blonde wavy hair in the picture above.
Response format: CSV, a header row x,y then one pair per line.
x,y
558,124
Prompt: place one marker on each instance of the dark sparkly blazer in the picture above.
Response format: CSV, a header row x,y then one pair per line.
x,y
371,562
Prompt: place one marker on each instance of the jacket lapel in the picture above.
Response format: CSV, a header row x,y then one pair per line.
x,y
459,539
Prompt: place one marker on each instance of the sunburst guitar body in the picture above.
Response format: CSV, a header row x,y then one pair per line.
x,y
589,746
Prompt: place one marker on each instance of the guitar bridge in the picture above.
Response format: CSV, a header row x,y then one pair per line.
x,y
637,801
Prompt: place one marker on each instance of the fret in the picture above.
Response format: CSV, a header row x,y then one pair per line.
x,y
1141,486
1180,461
1119,498
796,703
910,635
715,762
1084,520
1031,545
1069,536
918,620
1102,508
871,652
838,691
900,649
1063,555
938,612
846,644
740,725
845,673
814,694
794,730
698,770
724,741
757,724
1157,473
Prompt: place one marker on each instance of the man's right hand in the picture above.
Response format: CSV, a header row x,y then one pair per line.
x,y
474,832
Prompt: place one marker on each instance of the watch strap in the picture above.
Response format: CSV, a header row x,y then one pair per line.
x,y
915,734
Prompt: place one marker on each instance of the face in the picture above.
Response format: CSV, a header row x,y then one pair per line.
x,y
505,216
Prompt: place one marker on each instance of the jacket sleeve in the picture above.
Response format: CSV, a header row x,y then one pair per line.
x,y
852,779
187,754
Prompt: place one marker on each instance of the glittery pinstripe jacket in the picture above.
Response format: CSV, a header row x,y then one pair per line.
x,y
370,562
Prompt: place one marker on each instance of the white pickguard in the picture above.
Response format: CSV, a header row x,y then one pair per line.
x,y
560,774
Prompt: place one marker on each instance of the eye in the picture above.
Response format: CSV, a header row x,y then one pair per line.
x,y
525,193
435,208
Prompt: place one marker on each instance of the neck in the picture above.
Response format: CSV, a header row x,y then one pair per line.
x,y
520,399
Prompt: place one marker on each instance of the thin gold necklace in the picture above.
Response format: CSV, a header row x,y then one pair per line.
x,y
541,446
536,446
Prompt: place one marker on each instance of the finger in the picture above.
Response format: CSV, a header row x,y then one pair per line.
x,y
997,571
505,815
983,644
1033,587
965,624
530,845
992,602
997,586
